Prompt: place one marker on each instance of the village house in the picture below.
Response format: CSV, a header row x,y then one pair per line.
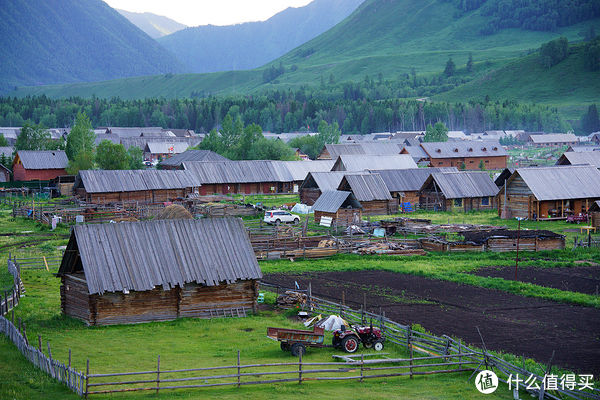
x,y
157,151
30,165
144,186
371,192
333,151
469,155
417,153
176,162
594,215
317,183
4,174
458,191
553,140
405,184
549,192
580,158
355,163
342,207
116,273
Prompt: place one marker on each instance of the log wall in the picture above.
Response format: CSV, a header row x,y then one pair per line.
x,y
74,297
198,301
471,163
379,207
596,219
308,196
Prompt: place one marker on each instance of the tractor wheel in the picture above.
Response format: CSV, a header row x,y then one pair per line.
x,y
350,344
297,349
285,346
378,346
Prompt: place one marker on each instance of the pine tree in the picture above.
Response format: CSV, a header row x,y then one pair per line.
x,y
590,122
470,63
450,68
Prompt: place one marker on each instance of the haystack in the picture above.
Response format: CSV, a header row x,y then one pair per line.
x,y
174,211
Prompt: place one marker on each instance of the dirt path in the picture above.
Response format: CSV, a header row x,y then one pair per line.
x,y
509,323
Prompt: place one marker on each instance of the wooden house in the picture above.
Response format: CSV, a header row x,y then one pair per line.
x,y
333,151
417,153
158,270
458,191
549,192
156,151
176,161
317,183
371,192
553,140
30,165
355,163
580,158
469,155
4,174
341,206
594,213
405,184
144,186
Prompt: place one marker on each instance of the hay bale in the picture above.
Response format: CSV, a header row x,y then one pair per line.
x,y
174,211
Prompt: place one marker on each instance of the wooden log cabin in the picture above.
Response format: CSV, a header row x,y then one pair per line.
x,y
119,274
176,161
317,183
405,184
458,191
355,163
144,186
371,192
30,165
469,155
539,193
342,207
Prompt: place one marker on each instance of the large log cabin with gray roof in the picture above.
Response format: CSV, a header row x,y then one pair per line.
x,y
158,270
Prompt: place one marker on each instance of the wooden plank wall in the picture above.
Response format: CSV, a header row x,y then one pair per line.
x,y
308,196
74,297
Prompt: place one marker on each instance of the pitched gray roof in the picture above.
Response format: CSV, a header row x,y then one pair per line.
x,y
562,182
364,162
300,169
193,155
464,149
7,151
367,187
463,184
333,200
128,256
582,149
408,180
582,158
553,138
143,140
43,159
416,152
388,148
101,181
325,181
165,147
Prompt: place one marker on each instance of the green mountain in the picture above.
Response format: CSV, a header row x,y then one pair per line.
x,y
390,38
244,46
57,41
154,25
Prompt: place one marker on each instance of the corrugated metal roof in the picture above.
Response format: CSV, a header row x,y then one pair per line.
x,y
364,162
101,181
143,140
300,169
193,155
488,148
408,180
464,184
416,152
332,200
43,159
325,181
166,147
142,255
7,151
562,182
553,138
237,172
367,187
582,149
582,158
388,148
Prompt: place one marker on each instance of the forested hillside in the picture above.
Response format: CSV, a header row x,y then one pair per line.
x,y
244,46
154,25
57,41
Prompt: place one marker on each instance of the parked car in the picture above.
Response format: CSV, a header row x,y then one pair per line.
x,y
280,216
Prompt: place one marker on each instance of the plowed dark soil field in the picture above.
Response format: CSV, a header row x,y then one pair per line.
x,y
509,323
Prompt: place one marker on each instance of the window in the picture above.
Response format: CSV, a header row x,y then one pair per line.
x,y
485,201
457,202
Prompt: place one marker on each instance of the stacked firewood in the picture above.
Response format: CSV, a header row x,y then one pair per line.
x,y
291,299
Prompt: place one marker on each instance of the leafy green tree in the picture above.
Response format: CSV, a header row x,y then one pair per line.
x,y
111,156
81,138
482,165
553,52
3,141
33,137
436,133
82,161
135,157
6,160
470,63
267,149
450,68
591,55
590,121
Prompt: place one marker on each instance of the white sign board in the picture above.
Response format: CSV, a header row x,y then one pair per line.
x,y
326,221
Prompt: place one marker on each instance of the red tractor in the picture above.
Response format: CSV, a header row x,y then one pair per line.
x,y
349,339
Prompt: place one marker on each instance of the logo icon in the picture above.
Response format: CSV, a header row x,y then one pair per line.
x,y
486,381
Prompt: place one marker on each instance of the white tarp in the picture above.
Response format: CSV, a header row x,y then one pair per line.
x,y
332,323
301,209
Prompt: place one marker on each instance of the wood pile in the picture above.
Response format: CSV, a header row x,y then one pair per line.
x,y
387,248
291,299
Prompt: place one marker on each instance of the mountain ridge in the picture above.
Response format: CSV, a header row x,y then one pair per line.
x,y
154,25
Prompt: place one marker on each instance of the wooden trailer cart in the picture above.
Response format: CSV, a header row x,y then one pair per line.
x,y
296,340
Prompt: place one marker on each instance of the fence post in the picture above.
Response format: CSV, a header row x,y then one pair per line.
x,y
158,374
410,349
362,365
40,342
51,365
69,371
300,366
87,377
460,353
238,369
